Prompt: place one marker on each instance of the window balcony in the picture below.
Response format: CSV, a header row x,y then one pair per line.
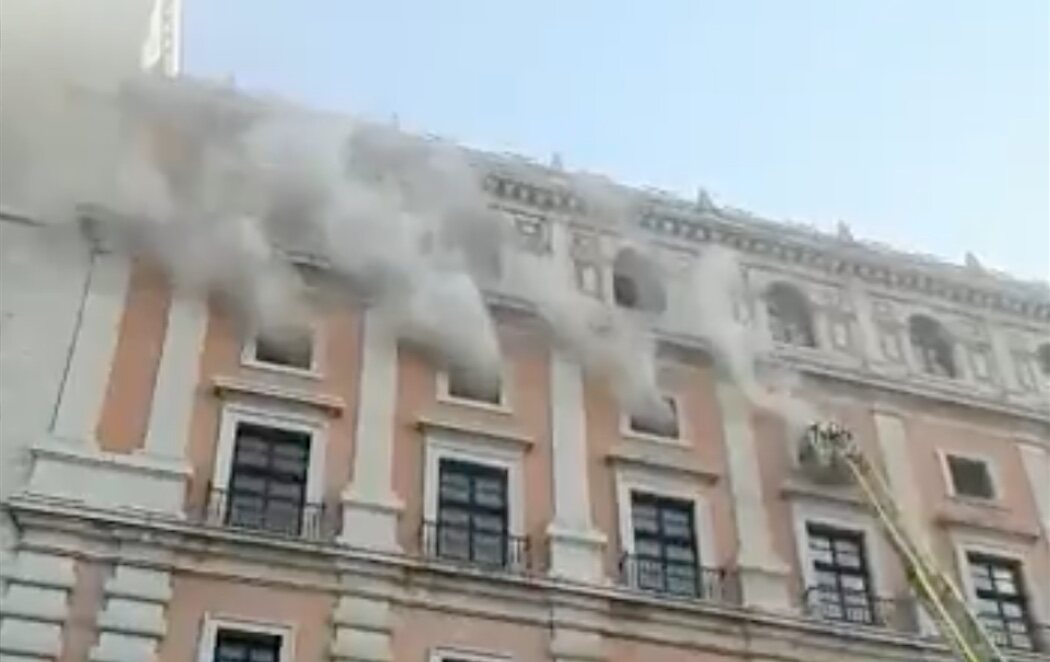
x,y
1017,634
680,579
861,608
473,546
315,522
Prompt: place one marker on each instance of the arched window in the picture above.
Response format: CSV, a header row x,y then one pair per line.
x,y
790,321
636,283
932,346
1042,359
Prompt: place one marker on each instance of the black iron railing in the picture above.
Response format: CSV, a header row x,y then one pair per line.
x,y
861,608
497,550
309,521
680,579
1017,633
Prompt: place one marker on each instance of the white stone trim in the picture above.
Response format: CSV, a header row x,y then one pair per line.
x,y
841,516
178,375
133,622
235,414
35,605
964,543
213,623
506,386
444,654
949,484
1036,462
442,445
84,389
632,480
317,359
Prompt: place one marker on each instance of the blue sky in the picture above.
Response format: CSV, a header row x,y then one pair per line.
x,y
924,124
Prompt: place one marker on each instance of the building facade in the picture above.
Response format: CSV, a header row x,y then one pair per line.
x,y
175,490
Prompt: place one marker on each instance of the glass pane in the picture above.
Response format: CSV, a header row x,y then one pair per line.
x,y
453,517
647,547
819,543
677,524
488,548
1005,586
489,523
680,554
1012,610
242,483
490,492
827,579
981,581
291,491
262,655
848,560
644,518
453,542
854,582
454,487
650,574
246,511
251,458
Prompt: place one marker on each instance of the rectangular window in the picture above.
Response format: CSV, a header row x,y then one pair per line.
x,y
1001,600
472,513
840,568
664,545
286,348
665,425
240,646
466,384
268,479
970,477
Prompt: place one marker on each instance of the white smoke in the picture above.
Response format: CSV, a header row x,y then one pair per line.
x,y
209,181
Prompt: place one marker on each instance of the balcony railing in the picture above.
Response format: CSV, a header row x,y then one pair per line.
x,y
861,608
308,521
680,579
494,550
1018,634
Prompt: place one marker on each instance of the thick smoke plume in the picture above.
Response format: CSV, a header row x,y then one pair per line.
x,y
221,188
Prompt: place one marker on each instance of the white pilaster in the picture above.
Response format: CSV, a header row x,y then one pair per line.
x,y
370,507
133,623
763,574
1036,461
35,605
177,377
87,377
575,545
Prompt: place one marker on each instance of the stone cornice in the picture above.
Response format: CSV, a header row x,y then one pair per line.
x,y
790,244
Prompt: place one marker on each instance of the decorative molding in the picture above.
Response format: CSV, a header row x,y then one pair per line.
x,y
497,433
232,386
546,198
672,459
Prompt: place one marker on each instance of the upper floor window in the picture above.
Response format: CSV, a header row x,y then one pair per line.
x,y
289,347
932,346
1001,600
664,545
1042,358
970,477
636,283
790,318
840,569
472,513
267,488
659,423
473,385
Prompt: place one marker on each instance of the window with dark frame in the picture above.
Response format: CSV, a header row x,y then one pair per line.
x,y
970,477
664,545
242,646
472,513
932,346
840,568
267,486
288,348
790,319
466,384
657,424
1001,600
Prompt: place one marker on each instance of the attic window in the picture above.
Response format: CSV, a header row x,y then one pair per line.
x,y
1042,358
932,346
636,283
463,384
790,319
970,477
658,425
289,347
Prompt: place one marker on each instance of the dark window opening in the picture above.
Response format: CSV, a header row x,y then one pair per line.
x,y
933,348
664,545
472,513
1001,601
268,480
843,583
790,321
240,646
660,424
970,477
291,348
636,283
467,384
